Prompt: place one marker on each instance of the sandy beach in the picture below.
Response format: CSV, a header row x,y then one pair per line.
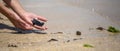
x,y
65,17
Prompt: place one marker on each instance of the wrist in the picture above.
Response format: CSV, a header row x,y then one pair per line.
x,y
14,16
22,13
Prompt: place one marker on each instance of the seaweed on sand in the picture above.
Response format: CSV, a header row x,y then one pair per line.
x,y
88,45
113,29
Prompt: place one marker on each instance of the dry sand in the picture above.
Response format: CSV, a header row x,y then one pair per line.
x,y
65,17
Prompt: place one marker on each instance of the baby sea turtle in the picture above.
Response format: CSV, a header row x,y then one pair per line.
x,y
38,23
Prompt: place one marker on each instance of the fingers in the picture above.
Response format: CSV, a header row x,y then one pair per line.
x,y
28,24
25,28
29,21
24,25
42,18
41,28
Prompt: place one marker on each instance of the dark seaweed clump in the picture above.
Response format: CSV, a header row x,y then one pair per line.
x,y
113,29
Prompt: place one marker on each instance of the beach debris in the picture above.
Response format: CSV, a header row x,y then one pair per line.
x,y
60,32
12,45
78,33
77,39
100,28
113,29
57,33
52,40
88,45
68,40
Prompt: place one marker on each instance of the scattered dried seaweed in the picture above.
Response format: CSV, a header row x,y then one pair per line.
x,y
52,40
57,33
12,45
88,45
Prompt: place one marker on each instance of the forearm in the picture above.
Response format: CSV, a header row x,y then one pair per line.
x,y
7,12
15,5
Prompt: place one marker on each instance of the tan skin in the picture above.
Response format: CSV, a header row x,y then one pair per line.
x,y
19,17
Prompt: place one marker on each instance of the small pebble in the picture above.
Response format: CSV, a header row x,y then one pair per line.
x,y
68,40
75,39
60,32
78,33
100,28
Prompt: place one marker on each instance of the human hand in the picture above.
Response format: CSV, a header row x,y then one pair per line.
x,y
18,22
28,17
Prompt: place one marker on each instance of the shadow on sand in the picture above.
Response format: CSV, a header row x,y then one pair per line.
x,y
19,31
4,26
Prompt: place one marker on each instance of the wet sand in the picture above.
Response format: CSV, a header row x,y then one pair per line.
x,y
64,19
